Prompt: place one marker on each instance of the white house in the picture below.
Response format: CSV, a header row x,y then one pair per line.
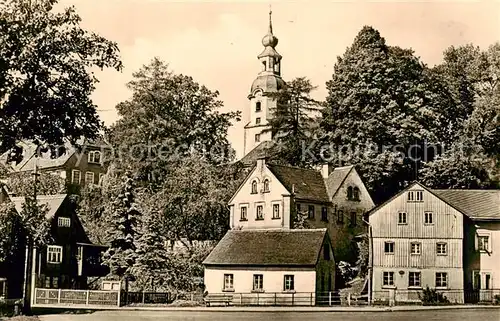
x,y
271,266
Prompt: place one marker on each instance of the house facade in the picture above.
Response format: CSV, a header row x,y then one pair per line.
x,y
68,261
441,239
78,165
271,266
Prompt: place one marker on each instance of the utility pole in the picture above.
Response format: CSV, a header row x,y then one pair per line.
x,y
28,277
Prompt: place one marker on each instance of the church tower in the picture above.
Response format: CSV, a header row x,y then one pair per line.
x,y
268,81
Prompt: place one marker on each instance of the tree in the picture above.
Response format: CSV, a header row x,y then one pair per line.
x,y
46,77
383,106
91,210
9,232
150,268
294,122
193,201
21,184
122,230
169,116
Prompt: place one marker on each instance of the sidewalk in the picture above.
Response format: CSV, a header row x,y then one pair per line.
x,y
309,309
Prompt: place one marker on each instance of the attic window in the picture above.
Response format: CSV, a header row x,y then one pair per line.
x,y
266,186
355,193
64,222
349,193
254,187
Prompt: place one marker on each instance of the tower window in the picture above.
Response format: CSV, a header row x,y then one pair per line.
x,y
257,120
257,138
258,106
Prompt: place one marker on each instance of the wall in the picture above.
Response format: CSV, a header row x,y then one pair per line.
x,y
276,195
325,269
447,227
428,278
342,233
267,104
273,278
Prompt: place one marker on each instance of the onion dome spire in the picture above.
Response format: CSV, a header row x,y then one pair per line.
x,y
270,40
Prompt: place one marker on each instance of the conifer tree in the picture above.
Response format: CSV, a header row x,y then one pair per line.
x,y
150,268
122,235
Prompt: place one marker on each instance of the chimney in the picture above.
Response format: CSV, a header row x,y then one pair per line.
x,y
325,170
261,162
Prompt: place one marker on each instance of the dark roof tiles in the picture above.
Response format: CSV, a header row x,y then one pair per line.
x,y
299,247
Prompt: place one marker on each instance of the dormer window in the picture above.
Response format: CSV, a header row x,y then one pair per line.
x,y
266,186
94,157
254,187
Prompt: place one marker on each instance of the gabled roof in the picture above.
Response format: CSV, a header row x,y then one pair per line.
x,y
259,151
477,204
336,178
53,203
296,247
306,184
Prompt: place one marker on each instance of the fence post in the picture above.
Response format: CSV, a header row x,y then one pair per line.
x,y
143,297
192,296
293,296
59,296
257,298
349,299
275,294
330,298
119,297
87,299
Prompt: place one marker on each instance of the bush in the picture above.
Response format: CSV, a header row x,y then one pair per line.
x,y
432,297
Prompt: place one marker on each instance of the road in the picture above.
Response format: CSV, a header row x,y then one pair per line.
x,y
437,315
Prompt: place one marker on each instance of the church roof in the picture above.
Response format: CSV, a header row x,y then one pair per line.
x,y
267,83
295,247
259,151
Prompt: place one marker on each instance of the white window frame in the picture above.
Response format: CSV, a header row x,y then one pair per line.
x,y
266,186
389,277
92,157
64,222
259,215
228,282
417,279
244,209
276,211
54,254
439,248
402,218
101,177
87,175
73,172
479,244
415,248
289,282
258,282
428,218
443,282
393,246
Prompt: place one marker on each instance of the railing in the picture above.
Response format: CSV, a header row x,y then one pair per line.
x,y
270,298
146,297
65,297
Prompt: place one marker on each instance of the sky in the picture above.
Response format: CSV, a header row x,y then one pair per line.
x,y
217,42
